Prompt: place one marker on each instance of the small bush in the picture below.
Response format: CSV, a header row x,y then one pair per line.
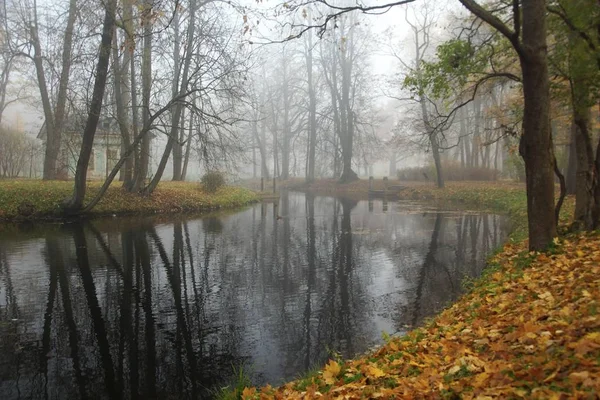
x,y
212,181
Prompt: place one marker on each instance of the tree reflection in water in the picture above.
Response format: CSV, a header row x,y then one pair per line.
x,y
153,309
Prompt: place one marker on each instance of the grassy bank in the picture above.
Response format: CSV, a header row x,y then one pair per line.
x,y
34,199
528,328
504,197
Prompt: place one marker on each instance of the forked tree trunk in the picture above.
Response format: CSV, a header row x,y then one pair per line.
x,y
54,120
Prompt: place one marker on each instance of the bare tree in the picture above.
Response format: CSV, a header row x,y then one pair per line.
x,y
76,201
54,109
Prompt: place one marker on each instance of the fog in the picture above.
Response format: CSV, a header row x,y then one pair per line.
x,y
253,89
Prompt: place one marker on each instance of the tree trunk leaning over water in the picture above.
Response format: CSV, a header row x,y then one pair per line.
x,y
76,202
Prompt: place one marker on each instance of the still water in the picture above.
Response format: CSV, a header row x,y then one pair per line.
x,y
167,308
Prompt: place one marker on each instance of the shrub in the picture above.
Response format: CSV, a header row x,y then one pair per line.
x,y
212,181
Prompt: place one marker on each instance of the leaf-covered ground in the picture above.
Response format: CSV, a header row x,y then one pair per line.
x,y
44,198
529,329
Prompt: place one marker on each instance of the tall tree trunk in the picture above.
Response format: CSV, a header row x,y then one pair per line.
x,y
130,47
348,117
435,151
536,142
477,134
432,134
143,160
572,163
178,107
177,147
393,164
285,134
584,191
264,168
596,211
76,201
188,147
312,110
348,175
120,78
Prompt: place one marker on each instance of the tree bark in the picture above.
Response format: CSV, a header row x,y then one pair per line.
x,y
572,163
285,134
130,47
584,190
536,142
76,201
188,146
122,114
312,110
177,147
143,159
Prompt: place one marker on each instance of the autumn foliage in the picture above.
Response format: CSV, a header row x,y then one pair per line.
x,y
529,329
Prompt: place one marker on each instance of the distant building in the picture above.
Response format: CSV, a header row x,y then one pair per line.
x,y
105,153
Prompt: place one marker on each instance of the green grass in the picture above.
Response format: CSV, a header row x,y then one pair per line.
x,y
234,390
43,199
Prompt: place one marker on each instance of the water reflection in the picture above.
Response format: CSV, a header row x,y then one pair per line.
x,y
152,309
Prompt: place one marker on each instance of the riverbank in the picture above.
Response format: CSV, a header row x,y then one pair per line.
x,y
38,200
504,197
527,329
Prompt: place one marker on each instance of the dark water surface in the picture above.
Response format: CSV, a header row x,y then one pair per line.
x,y
143,308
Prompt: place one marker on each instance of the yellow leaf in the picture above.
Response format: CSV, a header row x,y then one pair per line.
x,y
332,370
374,372
481,380
248,393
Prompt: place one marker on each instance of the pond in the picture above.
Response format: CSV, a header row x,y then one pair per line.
x,y
171,307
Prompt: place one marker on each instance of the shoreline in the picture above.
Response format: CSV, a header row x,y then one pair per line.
x,y
525,329
34,201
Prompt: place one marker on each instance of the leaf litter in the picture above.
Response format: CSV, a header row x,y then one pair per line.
x,y
529,329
